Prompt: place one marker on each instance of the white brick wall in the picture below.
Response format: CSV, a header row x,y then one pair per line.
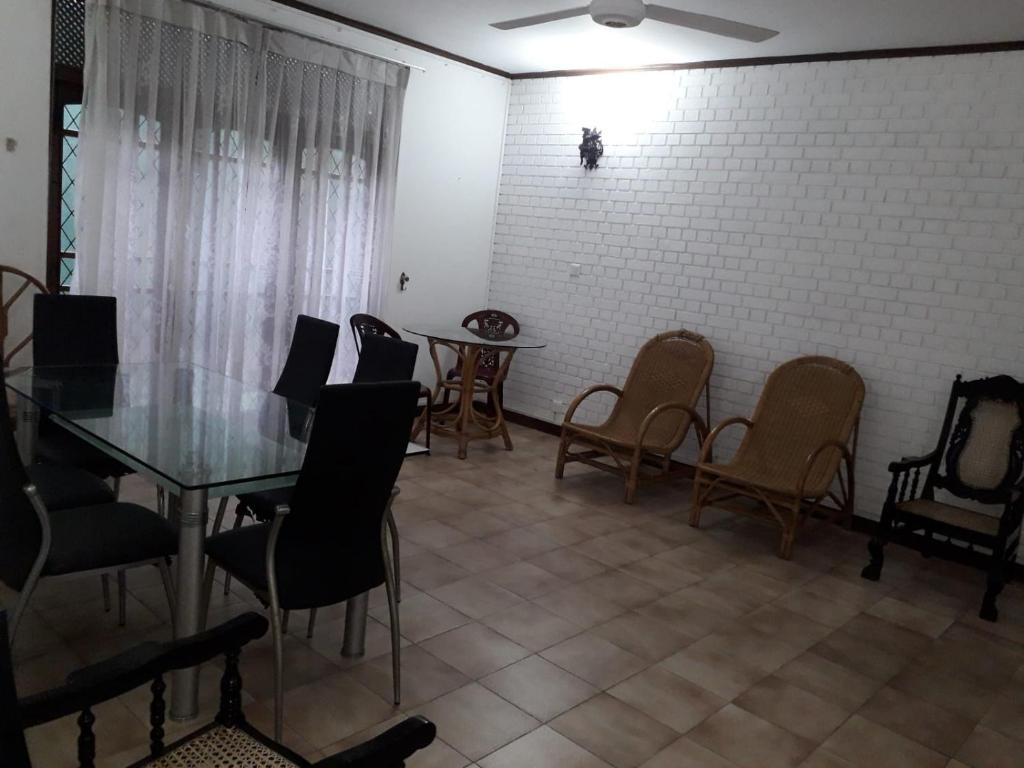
x,y
869,210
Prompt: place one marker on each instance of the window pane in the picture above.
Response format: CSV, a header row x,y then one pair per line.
x,y
68,167
72,114
67,268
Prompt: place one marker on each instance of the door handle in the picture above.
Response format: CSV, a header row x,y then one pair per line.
x,y
402,280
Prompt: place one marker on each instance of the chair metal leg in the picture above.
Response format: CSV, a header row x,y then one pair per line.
x,y
122,598
22,603
396,565
165,577
239,519
221,509
161,501
396,637
105,584
207,592
116,485
312,623
278,638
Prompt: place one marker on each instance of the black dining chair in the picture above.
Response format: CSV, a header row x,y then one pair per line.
x,y
329,544
306,370
37,542
230,740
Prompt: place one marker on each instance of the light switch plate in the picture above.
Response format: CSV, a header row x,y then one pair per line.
x,y
574,269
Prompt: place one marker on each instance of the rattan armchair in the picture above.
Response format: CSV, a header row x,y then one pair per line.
x,y
652,413
799,444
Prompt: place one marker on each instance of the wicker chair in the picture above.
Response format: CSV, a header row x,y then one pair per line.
x,y
490,378
984,460
652,414
803,429
24,282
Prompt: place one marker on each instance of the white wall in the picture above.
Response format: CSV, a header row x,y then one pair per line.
x,y
24,115
868,210
448,168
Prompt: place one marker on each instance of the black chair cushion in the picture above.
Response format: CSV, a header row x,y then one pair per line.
x,y
106,535
263,504
58,446
307,567
65,487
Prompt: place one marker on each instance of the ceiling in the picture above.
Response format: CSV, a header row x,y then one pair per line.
x,y
806,26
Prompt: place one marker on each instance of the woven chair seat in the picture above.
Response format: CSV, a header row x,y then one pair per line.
x,y
774,478
950,514
619,433
221,747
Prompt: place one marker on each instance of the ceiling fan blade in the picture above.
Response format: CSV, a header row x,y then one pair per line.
x,y
541,18
712,24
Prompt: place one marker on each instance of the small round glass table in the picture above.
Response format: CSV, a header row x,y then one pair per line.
x,y
482,364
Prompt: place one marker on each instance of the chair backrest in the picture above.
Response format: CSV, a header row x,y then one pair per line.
x,y
364,325
356,449
309,360
385,359
984,451
20,532
24,282
12,736
673,367
492,323
805,403
74,330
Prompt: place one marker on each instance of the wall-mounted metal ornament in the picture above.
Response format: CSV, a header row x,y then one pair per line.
x,y
591,149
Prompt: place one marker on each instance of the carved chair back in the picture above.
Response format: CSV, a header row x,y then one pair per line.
x,y
493,324
23,283
984,449
366,325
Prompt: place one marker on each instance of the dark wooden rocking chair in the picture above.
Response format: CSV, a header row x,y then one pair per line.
x,y
984,459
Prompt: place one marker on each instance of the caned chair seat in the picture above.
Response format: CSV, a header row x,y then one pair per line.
x,y
107,535
950,514
63,487
221,746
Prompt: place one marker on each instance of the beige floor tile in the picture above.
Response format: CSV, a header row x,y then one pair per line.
x,y
532,626
424,676
830,611
332,708
645,637
723,675
478,523
622,589
569,564
686,753
594,659
749,741
475,721
542,747
986,748
428,570
822,758
860,655
615,732
525,579
580,606
1007,713
865,744
949,691
832,682
797,710
474,650
432,534
539,688
919,720
301,666
475,597
422,616
522,542
911,617
686,617
661,574
667,698
475,556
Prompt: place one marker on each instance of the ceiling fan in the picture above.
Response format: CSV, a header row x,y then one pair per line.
x,y
628,13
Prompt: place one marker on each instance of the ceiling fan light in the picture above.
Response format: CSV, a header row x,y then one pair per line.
x,y
617,14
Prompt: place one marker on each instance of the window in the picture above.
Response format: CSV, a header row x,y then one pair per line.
x,y
68,51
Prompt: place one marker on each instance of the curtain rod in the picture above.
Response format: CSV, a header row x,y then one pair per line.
x,y
212,6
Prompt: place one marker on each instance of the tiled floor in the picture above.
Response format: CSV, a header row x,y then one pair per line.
x,y
549,624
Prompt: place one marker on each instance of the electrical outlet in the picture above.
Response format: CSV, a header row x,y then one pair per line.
x,y
574,269
11,144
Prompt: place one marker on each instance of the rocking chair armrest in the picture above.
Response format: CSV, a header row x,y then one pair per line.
x,y
392,747
571,411
710,439
812,458
910,462
136,667
702,429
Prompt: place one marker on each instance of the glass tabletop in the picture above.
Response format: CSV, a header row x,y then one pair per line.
x,y
183,425
459,335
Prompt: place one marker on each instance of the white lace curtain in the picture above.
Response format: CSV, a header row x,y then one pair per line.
x,y
231,177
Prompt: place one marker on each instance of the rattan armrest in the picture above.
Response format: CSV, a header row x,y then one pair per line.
x,y
813,457
587,393
710,440
658,410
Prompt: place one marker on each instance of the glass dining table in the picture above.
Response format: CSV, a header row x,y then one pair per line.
x,y
194,433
